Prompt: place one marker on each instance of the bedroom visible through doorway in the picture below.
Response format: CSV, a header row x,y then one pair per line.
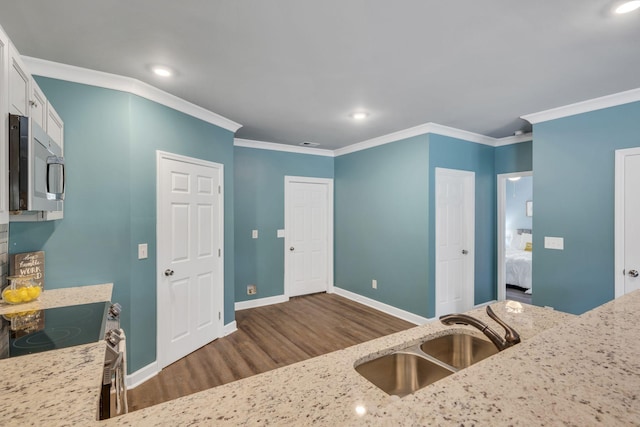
x,y
515,236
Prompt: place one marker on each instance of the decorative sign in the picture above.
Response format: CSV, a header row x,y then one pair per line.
x,y
28,263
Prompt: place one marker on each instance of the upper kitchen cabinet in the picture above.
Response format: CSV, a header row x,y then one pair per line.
x,y
4,131
54,126
37,104
19,81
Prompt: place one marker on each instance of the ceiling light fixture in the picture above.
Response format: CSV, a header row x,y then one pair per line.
x,y
627,7
359,115
162,71
514,178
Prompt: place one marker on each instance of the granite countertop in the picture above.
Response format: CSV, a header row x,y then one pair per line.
x,y
62,297
569,370
60,387
326,390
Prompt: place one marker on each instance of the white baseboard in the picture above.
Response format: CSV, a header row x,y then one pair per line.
x,y
141,375
151,370
229,328
485,303
385,308
243,305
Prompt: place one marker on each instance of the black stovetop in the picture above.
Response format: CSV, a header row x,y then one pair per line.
x,y
36,331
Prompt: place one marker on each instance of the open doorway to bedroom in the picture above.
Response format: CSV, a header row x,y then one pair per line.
x,y
515,232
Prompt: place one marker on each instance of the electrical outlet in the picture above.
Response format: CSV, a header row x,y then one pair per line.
x,y
254,234
252,289
374,284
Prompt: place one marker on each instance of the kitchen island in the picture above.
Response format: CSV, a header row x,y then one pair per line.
x,y
569,370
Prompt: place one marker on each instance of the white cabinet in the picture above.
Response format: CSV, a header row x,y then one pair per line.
x,y
38,105
18,84
55,126
4,131
21,95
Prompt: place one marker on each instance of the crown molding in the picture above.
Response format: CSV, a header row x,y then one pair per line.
x,y
261,145
607,101
86,76
516,139
423,129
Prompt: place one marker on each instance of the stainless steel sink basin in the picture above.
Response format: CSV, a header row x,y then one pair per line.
x,y
402,373
459,350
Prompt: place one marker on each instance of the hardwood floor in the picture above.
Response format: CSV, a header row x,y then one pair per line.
x,y
268,338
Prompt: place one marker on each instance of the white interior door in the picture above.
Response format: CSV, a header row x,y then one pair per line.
x,y
308,235
627,222
455,240
190,266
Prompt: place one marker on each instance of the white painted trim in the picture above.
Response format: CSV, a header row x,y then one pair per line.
x,y
86,76
260,302
502,207
607,101
261,145
516,139
219,167
229,328
380,306
287,221
619,229
484,304
469,220
141,375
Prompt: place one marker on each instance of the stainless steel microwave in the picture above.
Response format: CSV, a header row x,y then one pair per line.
x,y
36,168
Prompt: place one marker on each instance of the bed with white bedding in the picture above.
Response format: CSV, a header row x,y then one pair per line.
x,y
518,268
518,261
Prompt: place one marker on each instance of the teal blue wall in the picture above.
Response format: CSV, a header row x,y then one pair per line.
x,y
381,228
573,161
514,158
451,153
385,217
111,140
259,205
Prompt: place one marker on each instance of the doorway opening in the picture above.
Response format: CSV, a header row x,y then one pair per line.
x,y
515,236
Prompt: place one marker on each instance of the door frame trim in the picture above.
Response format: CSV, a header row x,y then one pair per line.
x,y
619,232
161,155
470,219
501,289
328,182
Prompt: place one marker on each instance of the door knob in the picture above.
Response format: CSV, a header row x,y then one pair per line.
x,y
291,248
464,252
168,272
633,273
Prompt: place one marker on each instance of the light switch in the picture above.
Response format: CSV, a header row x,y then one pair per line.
x,y
143,252
280,233
554,243
254,234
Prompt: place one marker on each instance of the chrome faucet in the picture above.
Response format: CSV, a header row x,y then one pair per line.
x,y
511,337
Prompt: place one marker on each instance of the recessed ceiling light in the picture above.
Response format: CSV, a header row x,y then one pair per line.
x,y
359,115
162,71
627,7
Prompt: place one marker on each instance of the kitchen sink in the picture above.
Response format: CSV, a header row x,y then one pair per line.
x,y
405,371
402,373
459,350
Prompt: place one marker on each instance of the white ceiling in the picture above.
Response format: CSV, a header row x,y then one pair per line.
x,y
293,70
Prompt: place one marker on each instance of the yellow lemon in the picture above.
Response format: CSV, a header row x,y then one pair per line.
x,y
34,291
10,296
23,295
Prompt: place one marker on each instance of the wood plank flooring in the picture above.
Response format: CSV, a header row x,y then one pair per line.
x,y
268,338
